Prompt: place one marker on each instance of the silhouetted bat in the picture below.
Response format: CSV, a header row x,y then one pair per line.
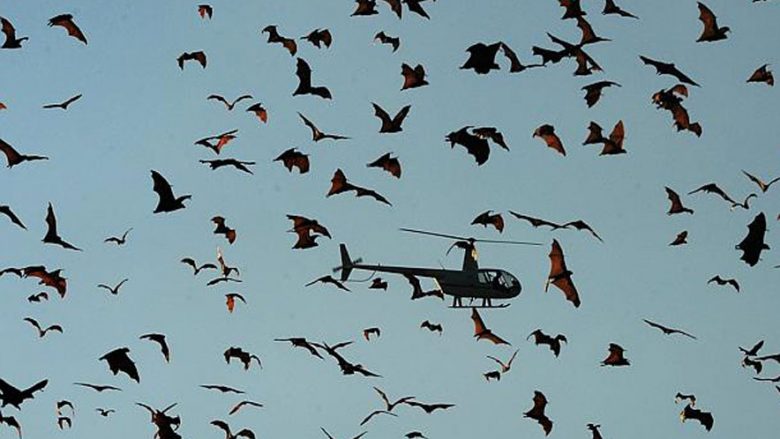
x,y
553,56
230,300
378,284
104,412
615,357
197,269
38,297
560,276
391,405
113,290
763,186
387,163
711,30
492,134
259,111
714,189
159,339
482,58
13,157
536,222
414,6
11,42
66,21
588,34
15,397
328,280
242,404
611,8
365,8
666,330
433,327
223,266
680,239
554,343
51,236
303,72
318,135
581,225
762,74
117,240
383,38
301,342
339,184
475,145
304,227
721,281
119,361
547,133
482,332
63,105
593,91
6,210
417,291
167,201
704,418
428,408
671,100
219,163
415,435
274,37
205,10
247,433
228,105
663,68
515,66
537,412
222,140
505,367
391,125
41,331
50,279
368,332
375,413
346,367
586,65
413,77
98,388
223,229
293,158
223,389
677,206
753,244
319,37
487,218
243,356
198,56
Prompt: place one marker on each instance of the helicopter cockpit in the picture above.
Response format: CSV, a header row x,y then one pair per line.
x,y
499,280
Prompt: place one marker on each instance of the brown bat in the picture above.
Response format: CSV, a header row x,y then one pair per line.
x,y
119,361
42,331
615,357
365,8
274,37
413,77
318,37
677,206
487,218
205,10
429,408
554,343
13,157
704,418
198,56
416,7
680,239
224,269
671,100
761,185
573,9
368,332
588,34
383,38
197,269
762,74
721,281
505,367
118,240
303,71
433,327
38,297
547,133
260,111
492,375
711,31
51,236
238,164
391,125
243,404
537,412
482,332
66,21
328,280
346,367
339,184
475,145
230,300
396,7
515,66
387,163
666,330
753,244
593,92
223,229
52,279
160,340
611,8
11,42
586,65
560,276
167,202
302,224
292,158
663,68
6,210
316,134
417,291
63,105
222,140
482,58
228,105
98,388
713,188
115,289
243,356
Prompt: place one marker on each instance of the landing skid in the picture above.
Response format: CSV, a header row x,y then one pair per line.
x,y
503,305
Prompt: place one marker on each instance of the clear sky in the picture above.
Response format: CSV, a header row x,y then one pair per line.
x,y
140,112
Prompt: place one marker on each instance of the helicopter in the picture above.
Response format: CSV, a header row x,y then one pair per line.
x,y
470,282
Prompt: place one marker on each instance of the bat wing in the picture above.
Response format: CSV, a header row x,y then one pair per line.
x,y
303,72
51,223
364,192
479,325
66,21
162,188
709,20
339,183
6,210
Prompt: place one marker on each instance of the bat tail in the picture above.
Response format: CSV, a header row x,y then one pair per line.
x,y
346,263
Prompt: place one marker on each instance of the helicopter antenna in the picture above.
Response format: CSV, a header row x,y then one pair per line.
x,y
471,240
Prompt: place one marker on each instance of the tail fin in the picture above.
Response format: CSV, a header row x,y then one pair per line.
x,y
346,263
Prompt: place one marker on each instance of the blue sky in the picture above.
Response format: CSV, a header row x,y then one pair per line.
x,y
140,112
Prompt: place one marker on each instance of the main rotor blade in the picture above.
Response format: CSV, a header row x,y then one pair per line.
x,y
494,241
460,238
440,235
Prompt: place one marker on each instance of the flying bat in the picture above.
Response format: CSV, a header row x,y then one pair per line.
x,y
433,327
475,145
6,210
316,134
243,404
319,37
680,397
537,412
223,229
704,418
387,163
389,406
753,244
119,361
365,8
238,164
167,202
38,297
547,133
611,8
52,279
303,71
378,284
368,332
428,408
680,239
197,269
722,281
51,236
554,343
416,7
105,412
222,140
711,31
222,389
15,397
160,340
259,111
492,134
13,157
482,332
615,357
205,11
505,367
247,433
383,38
375,413
66,21
346,367
761,184
274,37
753,351
391,125
98,388
488,218
588,34
115,289
198,56
413,77
230,300
515,66
243,356
667,330
11,41
573,9
63,105
676,206
43,331
118,240
294,158
482,58
340,184
663,68
593,92
301,342
762,74
560,276
328,280
228,105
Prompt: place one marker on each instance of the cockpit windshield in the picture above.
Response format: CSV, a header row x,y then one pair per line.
x,y
496,278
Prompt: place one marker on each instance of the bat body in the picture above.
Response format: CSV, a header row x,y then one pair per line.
x,y
433,327
391,125
167,202
413,77
237,164
704,418
615,357
676,206
482,58
547,133
115,289
593,92
611,8
228,105
560,275
118,240
762,74
753,244
664,68
205,11
319,37
667,330
723,281
340,184
259,110
489,219
43,331
680,239
221,228
316,134
10,395
230,300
